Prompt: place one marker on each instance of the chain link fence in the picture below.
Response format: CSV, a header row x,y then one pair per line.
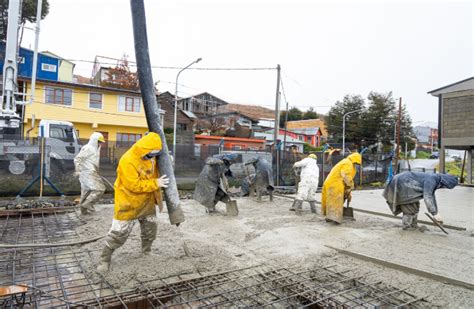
x,y
23,162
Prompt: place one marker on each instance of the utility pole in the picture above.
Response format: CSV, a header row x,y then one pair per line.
x,y
145,78
277,125
399,127
286,122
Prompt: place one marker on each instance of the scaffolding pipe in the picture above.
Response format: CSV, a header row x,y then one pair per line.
x,y
145,78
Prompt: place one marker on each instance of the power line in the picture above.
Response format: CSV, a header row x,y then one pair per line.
x,y
133,64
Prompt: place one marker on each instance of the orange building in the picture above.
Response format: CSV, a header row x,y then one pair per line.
x,y
234,143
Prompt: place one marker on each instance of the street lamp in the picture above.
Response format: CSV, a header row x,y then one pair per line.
x,y
344,130
176,107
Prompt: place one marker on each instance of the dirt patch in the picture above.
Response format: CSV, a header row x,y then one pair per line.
x,y
263,233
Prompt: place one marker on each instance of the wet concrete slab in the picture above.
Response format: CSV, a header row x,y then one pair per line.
x,y
456,206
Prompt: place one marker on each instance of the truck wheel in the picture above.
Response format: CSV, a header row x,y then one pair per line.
x,y
17,167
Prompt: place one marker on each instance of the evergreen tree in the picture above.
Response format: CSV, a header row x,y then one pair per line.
x,y
378,122
293,114
353,121
28,13
310,114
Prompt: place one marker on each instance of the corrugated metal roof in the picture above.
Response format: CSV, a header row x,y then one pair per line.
x,y
189,114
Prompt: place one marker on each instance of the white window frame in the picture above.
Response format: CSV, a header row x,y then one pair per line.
x,y
125,105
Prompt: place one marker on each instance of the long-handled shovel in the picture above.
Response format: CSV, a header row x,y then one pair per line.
x,y
436,223
348,212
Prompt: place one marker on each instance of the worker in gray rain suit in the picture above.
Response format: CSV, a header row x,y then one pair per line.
x,y
86,164
404,191
245,187
308,184
263,180
212,185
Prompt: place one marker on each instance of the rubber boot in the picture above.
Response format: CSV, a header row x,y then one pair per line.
x,y
298,207
313,207
407,221
146,246
211,210
293,208
271,196
105,258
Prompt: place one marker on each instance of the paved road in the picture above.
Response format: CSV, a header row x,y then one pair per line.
x,y
424,163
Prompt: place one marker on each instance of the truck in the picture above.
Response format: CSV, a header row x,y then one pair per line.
x,y
61,145
17,154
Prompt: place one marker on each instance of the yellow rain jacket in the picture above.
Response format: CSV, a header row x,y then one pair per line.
x,y
339,181
136,190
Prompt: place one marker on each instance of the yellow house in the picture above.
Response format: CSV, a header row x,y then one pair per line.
x,y
117,113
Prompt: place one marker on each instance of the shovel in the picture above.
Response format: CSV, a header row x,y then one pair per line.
x,y
348,212
436,223
231,208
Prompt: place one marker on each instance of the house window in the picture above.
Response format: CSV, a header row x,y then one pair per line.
x,y
95,100
48,67
59,96
127,139
129,104
181,127
301,137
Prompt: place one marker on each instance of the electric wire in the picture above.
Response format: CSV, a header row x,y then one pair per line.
x,y
134,64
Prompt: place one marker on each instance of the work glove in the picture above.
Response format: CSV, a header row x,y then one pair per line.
x,y
438,218
163,181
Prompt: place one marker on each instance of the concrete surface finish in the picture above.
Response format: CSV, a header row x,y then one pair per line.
x,y
456,206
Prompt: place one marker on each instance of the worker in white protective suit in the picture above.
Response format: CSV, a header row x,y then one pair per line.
x,y
308,184
87,168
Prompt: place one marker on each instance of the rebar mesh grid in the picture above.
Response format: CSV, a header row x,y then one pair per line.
x,y
54,275
261,286
57,279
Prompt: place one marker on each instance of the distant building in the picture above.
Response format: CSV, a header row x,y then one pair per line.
x,y
314,127
426,137
47,68
234,143
184,122
201,104
456,120
66,67
292,142
265,117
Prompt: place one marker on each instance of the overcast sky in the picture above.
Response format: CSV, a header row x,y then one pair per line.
x,y
326,49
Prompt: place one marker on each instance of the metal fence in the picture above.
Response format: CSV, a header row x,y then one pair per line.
x,y
24,162
374,167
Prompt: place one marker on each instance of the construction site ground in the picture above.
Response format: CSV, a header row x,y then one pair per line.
x,y
268,233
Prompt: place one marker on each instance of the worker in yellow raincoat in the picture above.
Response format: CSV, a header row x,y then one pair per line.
x,y
137,190
338,186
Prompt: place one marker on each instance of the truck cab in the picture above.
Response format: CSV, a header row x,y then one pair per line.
x,y
62,137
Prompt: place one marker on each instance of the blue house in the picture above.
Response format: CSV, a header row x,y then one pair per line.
x,y
47,69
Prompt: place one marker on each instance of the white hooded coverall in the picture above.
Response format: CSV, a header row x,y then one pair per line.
x,y
309,179
87,166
